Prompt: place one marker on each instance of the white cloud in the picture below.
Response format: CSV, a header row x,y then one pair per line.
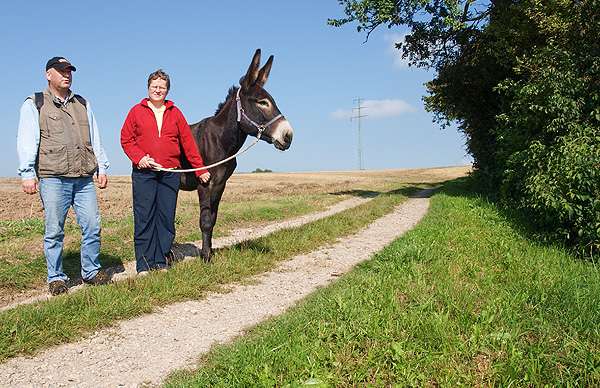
x,y
466,161
341,114
386,108
392,50
375,109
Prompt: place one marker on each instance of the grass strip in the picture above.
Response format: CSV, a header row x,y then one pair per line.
x,y
28,328
464,299
240,214
25,271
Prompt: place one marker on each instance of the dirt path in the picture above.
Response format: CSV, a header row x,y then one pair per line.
x,y
146,349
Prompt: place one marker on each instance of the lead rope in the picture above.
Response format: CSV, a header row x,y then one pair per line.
x,y
240,114
212,165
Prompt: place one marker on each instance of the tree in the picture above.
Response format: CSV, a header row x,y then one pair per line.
x,y
553,159
439,29
521,80
450,38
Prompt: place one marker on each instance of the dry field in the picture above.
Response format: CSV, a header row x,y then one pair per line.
x,y
116,204
115,200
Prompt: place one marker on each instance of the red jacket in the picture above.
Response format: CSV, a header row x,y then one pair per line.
x,y
139,136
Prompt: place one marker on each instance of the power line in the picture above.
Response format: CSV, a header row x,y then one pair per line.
x,y
360,147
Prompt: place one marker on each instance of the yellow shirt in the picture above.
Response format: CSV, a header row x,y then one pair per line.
x,y
158,114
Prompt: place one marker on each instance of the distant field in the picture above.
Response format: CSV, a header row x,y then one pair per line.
x,y
115,200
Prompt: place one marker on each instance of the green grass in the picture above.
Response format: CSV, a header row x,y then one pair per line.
x,y
19,272
28,328
464,299
11,229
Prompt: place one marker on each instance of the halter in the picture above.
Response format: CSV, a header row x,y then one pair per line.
x,y
241,113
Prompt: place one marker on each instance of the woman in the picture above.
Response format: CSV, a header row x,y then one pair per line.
x,y
152,136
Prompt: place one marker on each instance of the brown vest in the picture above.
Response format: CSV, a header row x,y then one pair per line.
x,y
65,147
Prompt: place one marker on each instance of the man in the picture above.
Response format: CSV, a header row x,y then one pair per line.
x,y
59,150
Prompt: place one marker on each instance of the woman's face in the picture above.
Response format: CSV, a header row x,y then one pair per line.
x,y
157,91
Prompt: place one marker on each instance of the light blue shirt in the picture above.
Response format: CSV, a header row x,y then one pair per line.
x,y
28,140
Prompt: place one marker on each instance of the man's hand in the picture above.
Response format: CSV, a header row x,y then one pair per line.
x,y
30,186
102,181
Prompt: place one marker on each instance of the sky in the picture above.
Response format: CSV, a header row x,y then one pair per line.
x,y
318,76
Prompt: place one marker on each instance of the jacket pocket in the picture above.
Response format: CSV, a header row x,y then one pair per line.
x,y
53,161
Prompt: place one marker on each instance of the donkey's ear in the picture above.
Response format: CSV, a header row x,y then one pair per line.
x,y
263,74
252,73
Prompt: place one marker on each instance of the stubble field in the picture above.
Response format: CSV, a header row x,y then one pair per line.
x,y
115,200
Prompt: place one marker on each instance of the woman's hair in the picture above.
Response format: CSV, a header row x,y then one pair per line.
x,y
162,75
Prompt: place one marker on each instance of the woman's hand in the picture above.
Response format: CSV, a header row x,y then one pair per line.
x,y
148,162
204,177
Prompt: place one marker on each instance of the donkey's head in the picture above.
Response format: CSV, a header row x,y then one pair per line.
x,y
258,109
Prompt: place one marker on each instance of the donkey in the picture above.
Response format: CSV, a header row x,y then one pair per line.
x,y
248,110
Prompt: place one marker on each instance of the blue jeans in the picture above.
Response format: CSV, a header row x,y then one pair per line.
x,y
58,195
154,206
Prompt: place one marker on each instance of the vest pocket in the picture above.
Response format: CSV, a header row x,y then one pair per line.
x,y
53,161
55,124
90,164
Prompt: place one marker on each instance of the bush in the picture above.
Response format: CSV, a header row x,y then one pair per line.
x,y
526,95
550,138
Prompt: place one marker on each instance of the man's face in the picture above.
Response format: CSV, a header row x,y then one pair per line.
x,y
59,79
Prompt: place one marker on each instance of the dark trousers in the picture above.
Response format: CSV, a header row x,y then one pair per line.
x,y
154,205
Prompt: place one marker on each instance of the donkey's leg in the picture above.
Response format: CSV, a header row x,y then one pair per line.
x,y
205,221
214,210
208,217
206,226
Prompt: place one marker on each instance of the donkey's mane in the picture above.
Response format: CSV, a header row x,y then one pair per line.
x,y
230,94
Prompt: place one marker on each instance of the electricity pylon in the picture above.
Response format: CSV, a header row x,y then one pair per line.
x,y
360,147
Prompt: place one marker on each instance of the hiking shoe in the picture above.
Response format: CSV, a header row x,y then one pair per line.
x,y
57,287
98,280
